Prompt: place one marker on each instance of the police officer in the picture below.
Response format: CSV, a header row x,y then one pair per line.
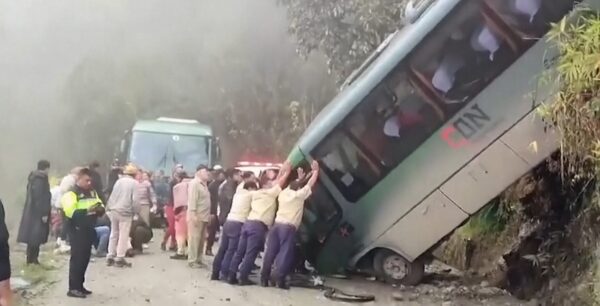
x,y
82,206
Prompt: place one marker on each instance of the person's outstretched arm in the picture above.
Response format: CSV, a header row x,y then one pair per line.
x,y
284,173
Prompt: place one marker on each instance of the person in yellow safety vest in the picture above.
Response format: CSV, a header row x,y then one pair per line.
x,y
82,206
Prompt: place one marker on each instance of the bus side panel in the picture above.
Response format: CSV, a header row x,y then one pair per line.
x,y
435,217
485,177
531,140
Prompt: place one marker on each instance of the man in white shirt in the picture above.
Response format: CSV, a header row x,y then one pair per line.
x,y
240,208
254,230
281,240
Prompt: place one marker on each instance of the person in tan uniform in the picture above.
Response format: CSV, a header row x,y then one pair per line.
x,y
254,231
281,240
198,216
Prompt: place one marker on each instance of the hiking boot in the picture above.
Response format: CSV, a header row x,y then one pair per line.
x,y
209,253
85,291
232,280
179,257
122,264
163,246
110,262
283,285
246,282
264,283
76,294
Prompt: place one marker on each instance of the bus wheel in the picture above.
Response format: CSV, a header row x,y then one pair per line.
x,y
394,269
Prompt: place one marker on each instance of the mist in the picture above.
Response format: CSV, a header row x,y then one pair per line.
x,y
53,53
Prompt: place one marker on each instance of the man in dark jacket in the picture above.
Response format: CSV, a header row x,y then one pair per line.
x,y
34,228
113,177
140,234
213,225
5,290
97,180
226,192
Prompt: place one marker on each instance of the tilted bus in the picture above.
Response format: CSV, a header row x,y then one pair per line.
x,y
438,122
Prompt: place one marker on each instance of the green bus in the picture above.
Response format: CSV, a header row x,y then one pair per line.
x,y
437,122
164,143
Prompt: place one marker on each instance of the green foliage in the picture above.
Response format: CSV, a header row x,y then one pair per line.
x,y
346,31
575,109
489,220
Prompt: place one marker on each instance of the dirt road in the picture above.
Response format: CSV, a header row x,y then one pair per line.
x,y
155,279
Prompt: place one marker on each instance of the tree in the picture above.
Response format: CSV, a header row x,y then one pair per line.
x,y
245,94
346,31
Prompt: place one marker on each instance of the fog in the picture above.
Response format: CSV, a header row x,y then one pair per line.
x,y
43,43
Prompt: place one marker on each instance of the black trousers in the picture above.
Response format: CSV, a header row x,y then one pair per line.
x,y
33,253
81,251
212,229
4,261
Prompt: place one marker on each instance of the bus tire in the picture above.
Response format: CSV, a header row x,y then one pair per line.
x,y
395,269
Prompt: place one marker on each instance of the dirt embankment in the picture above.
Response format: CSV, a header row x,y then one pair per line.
x,y
537,240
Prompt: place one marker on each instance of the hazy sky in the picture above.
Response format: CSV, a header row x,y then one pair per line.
x,y
41,43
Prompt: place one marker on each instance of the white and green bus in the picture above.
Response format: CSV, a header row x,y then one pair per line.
x,y
163,143
437,122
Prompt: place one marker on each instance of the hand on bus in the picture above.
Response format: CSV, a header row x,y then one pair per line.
x,y
314,166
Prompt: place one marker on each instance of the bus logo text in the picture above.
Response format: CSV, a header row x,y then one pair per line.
x,y
458,134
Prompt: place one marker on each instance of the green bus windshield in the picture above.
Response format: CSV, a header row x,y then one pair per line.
x,y
156,151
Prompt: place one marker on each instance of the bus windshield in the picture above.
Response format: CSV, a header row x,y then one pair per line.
x,y
156,151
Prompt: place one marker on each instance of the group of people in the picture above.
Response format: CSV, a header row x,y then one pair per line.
x,y
80,220
116,221
249,212
265,211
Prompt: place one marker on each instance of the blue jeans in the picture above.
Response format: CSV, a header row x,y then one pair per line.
x,y
103,233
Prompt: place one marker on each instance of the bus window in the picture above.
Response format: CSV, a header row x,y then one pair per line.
x,y
348,167
531,19
462,56
394,124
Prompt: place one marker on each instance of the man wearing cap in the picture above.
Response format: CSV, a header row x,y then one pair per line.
x,y
198,215
122,207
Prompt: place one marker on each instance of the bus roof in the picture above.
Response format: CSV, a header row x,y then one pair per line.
x,y
399,47
170,127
